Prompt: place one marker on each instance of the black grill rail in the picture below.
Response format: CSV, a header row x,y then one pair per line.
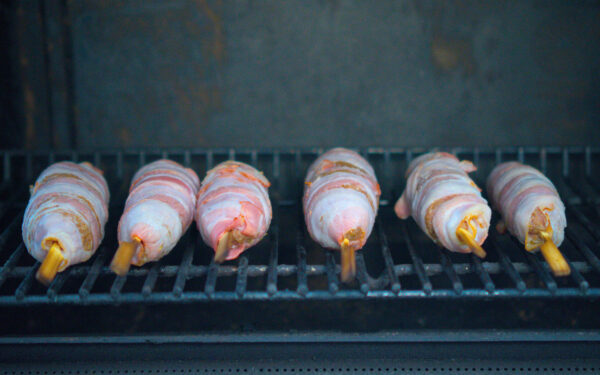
x,y
399,261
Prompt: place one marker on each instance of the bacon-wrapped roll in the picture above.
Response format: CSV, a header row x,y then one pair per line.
x,y
341,197
446,203
159,209
233,211
64,220
531,209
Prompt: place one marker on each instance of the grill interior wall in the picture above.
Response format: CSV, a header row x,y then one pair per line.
x,y
209,73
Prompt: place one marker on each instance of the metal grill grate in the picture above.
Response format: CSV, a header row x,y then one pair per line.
x,y
399,261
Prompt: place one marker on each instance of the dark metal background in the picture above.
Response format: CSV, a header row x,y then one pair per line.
x,y
122,73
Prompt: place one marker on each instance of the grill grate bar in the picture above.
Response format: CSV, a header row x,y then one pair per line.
x,y
313,151
484,276
58,283
450,272
209,160
521,155
273,258
25,285
301,269
274,251
183,268
11,262
401,270
591,227
97,158
565,162
120,165
583,248
541,271
589,199
543,160
508,265
387,257
150,279
168,297
242,276
92,275
211,278
584,285
578,278
187,158
115,289
417,261
302,287
361,272
332,280
476,160
387,191
578,190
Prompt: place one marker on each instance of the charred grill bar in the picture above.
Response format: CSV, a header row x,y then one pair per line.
x,y
397,262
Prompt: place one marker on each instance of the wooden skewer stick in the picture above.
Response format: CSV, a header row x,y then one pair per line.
x,y
468,239
553,256
348,261
51,264
223,247
122,260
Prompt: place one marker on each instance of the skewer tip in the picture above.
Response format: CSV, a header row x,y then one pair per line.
x,y
223,247
468,239
51,264
348,261
557,262
121,262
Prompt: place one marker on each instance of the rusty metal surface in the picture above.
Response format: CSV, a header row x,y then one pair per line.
x,y
25,122
7,106
299,73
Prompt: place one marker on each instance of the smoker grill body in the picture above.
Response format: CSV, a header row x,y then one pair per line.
x,y
273,84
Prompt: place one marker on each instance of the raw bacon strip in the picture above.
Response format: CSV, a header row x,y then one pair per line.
x,y
159,209
531,209
446,203
64,220
233,211
341,197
